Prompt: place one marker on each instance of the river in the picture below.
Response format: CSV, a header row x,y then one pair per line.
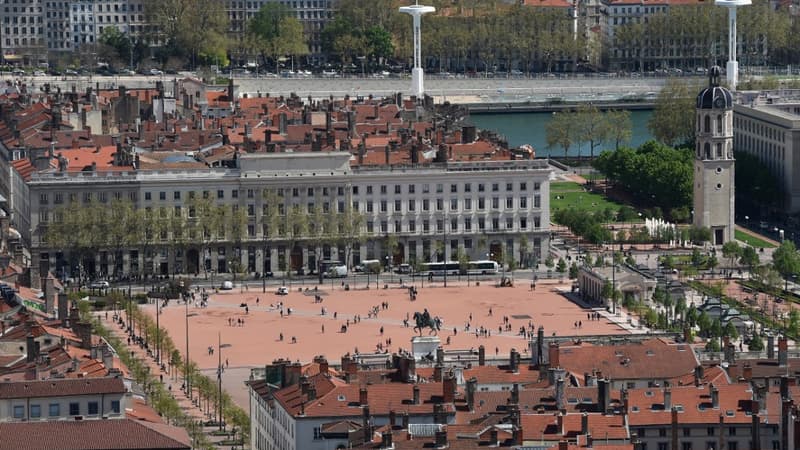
x,y
529,128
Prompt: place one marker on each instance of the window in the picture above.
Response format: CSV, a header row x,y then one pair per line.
x,y
412,205
509,202
467,187
384,226
509,187
383,206
250,193
686,445
369,206
495,187
523,223
453,188
663,446
370,226
481,204
536,186
495,224
295,192
43,199
731,431
235,193
662,432
733,445
147,195
710,431
481,223
467,204
467,225
397,205
369,190
439,188
397,189
220,193
36,411
523,202
55,410
454,225
310,192
537,201
206,194
439,225
509,223
355,190
687,431
93,409
439,204
411,188
426,225
453,204
523,186
426,188
19,411
495,203
383,189
74,409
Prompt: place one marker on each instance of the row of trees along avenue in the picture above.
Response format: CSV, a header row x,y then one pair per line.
x,y
81,230
471,34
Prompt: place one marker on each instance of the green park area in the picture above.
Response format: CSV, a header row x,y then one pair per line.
x,y
752,240
568,194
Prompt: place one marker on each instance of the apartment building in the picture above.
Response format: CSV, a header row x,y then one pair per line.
x,y
62,398
768,127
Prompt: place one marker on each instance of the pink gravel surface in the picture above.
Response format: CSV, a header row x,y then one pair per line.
x,y
257,342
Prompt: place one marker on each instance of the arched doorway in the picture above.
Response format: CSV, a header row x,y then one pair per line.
x,y
296,258
496,251
192,261
399,253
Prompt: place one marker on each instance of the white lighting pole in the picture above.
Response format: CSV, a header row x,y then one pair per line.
x,y
417,73
732,68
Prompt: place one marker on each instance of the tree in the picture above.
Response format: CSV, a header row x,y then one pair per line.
x,y
118,45
573,271
561,130
592,126
562,265
276,32
749,258
730,331
188,28
732,251
756,344
673,117
786,261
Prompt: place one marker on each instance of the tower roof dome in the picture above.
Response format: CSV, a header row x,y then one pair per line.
x,y
714,96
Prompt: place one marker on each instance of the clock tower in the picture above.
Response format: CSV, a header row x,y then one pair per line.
x,y
713,160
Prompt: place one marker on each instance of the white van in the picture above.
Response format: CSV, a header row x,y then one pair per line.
x,y
339,271
227,285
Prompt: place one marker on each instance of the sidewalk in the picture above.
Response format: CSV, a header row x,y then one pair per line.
x,y
189,407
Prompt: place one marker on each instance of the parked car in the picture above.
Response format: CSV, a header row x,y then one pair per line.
x,y
100,284
283,290
227,285
39,73
156,72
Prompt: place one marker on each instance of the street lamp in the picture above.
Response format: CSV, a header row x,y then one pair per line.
x,y
158,332
220,369
186,379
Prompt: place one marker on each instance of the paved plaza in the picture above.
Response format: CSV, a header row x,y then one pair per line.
x,y
257,341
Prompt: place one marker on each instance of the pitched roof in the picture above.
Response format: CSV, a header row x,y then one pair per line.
x,y
92,435
61,387
650,359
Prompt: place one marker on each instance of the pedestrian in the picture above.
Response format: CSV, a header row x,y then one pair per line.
x,y
280,337
226,362
323,328
381,331
257,300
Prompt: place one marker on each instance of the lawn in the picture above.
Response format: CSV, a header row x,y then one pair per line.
x,y
752,240
572,195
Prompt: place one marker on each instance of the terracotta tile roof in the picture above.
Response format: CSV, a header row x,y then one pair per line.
x,y
735,402
24,168
548,3
577,399
62,387
92,435
763,368
714,374
650,359
545,426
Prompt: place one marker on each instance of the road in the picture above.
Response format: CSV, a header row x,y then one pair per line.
x,y
455,90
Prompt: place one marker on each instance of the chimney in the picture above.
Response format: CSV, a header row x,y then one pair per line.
x,y
282,123
30,348
560,423
770,346
386,154
108,359
584,424
481,355
589,380
449,385
351,124
63,306
493,437
553,355
714,397
674,428
747,372
755,431
698,375
323,365
48,285
439,355
784,387
441,439
720,432
517,436
515,394
625,401
386,440
392,418
602,394
730,353
472,386
415,398
363,396
311,393
366,426
560,403
328,121
405,420
514,361
783,351
667,399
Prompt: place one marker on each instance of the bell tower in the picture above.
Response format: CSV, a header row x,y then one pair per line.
x,y
713,160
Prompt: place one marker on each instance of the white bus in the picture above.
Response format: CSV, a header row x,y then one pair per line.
x,y
487,267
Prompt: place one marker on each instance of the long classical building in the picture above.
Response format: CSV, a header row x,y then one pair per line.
x,y
481,208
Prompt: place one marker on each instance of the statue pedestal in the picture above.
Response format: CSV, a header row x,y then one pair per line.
x,y
422,346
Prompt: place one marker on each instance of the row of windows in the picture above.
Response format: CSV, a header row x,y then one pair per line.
x,y
466,204
54,409
102,196
494,224
759,129
454,188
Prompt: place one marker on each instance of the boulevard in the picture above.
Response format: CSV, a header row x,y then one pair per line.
x,y
454,90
